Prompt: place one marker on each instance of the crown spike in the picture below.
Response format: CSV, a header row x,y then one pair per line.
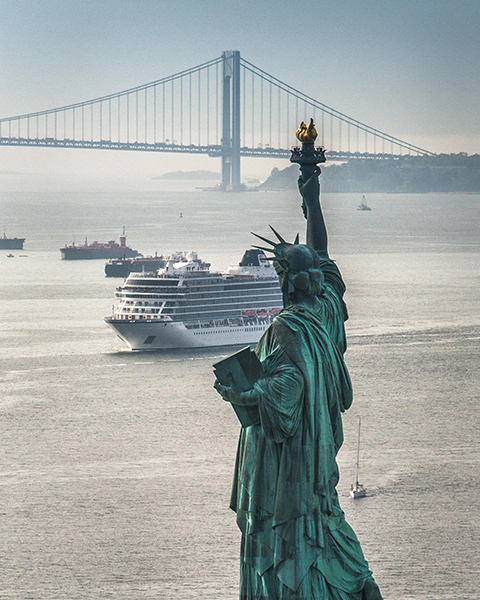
x,y
264,239
264,249
279,237
296,242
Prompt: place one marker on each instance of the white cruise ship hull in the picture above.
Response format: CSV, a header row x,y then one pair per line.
x,y
151,335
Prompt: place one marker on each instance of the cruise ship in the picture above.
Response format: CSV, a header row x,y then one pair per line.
x,y
185,305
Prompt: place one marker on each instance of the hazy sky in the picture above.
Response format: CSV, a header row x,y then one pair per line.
x,y
407,67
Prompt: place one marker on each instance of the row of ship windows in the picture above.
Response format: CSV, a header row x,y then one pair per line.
x,y
137,310
246,329
210,289
196,297
268,303
259,299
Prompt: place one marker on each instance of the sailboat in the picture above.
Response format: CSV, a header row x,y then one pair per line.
x,y
357,490
363,205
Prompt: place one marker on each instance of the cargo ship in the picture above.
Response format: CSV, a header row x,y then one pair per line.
x,y
185,305
99,250
122,267
11,243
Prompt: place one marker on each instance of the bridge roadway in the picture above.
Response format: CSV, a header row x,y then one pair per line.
x,y
212,150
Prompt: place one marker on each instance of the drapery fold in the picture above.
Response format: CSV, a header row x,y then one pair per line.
x,y
296,543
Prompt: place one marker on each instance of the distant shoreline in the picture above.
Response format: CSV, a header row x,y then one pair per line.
x,y
408,174
190,176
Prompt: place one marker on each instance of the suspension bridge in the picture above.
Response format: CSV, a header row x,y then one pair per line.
x,y
225,108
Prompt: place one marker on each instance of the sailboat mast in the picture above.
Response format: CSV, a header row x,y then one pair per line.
x,y
358,448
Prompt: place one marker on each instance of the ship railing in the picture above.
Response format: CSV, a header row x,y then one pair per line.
x,y
229,322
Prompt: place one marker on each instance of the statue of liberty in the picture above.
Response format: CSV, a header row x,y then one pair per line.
x,y
296,543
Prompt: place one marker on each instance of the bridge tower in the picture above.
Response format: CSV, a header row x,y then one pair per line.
x,y
231,121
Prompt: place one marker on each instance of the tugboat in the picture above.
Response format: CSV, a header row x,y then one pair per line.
x,y
98,250
363,205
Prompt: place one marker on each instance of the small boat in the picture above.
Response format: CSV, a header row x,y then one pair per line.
x,y
357,490
363,205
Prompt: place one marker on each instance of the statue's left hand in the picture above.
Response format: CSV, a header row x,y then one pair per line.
x,y
235,396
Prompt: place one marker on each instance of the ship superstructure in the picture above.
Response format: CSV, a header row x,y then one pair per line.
x,y
122,267
98,250
11,243
185,305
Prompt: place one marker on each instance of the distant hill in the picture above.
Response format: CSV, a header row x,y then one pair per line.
x,y
411,174
191,175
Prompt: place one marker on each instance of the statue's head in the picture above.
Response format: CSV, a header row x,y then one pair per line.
x,y
297,267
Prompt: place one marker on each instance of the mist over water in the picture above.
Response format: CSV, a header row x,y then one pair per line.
x,y
116,467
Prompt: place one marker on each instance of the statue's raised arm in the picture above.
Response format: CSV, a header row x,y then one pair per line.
x,y
308,158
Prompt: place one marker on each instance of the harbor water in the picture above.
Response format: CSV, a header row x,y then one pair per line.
x,y
116,467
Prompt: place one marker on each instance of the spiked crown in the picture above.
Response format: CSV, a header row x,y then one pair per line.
x,y
297,266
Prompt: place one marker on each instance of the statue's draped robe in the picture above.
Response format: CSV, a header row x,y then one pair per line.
x,y
296,543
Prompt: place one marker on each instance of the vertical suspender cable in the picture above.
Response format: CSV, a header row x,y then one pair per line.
x,y
181,110
163,113
331,131
128,118
208,106
253,110
279,113
155,114
199,107
244,102
270,118
136,116
146,115
261,112
287,129
173,112
190,108
119,120
217,94
296,111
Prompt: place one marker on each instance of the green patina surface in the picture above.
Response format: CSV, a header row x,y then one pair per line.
x,y
296,544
